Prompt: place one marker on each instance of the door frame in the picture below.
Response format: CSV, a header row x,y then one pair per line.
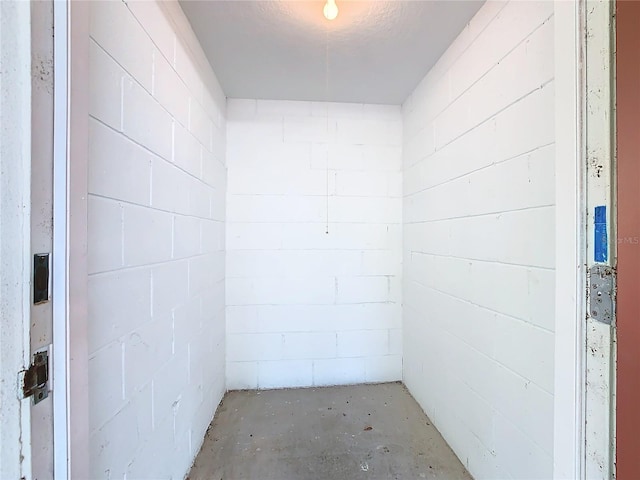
x,y
600,187
584,434
59,258
570,298
15,244
70,352
77,163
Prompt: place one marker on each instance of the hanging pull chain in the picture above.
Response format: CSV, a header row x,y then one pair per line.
x,y
326,96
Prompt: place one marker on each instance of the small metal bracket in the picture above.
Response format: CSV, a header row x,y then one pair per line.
x,y
35,380
601,293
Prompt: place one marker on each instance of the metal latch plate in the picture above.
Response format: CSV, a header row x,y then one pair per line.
x,y
601,288
35,380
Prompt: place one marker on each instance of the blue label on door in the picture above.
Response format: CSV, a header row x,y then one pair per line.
x,y
601,250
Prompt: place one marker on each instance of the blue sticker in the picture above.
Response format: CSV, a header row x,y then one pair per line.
x,y
601,253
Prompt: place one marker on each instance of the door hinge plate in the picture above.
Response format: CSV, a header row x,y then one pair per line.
x,y
601,293
34,381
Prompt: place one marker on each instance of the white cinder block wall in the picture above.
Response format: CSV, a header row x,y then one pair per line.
x,y
479,242
156,241
306,307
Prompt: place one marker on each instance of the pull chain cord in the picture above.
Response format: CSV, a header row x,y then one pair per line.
x,y
326,96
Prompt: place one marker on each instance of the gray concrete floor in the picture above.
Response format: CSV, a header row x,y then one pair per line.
x,y
333,433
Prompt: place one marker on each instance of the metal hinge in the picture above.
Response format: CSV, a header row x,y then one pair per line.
x,y
601,293
35,380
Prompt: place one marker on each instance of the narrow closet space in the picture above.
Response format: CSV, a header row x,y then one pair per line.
x,y
330,224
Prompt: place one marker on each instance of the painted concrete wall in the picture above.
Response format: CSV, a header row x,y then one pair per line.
x,y
157,182
627,308
478,238
306,307
15,248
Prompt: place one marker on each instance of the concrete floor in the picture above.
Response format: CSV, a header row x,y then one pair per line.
x,y
333,433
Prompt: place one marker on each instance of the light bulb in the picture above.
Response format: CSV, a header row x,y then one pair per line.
x,y
330,10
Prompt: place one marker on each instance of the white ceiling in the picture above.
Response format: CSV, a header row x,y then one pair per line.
x,y
374,52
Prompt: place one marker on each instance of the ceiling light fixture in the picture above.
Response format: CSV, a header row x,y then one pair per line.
x,y
330,10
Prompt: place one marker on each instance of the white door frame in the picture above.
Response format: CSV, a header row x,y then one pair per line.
x,y
59,257
77,315
583,416
599,161
570,243
18,31
70,357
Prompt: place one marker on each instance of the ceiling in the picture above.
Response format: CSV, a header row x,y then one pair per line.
x,y
375,51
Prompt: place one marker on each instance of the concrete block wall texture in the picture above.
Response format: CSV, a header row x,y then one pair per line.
x,y
478,242
157,180
306,307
